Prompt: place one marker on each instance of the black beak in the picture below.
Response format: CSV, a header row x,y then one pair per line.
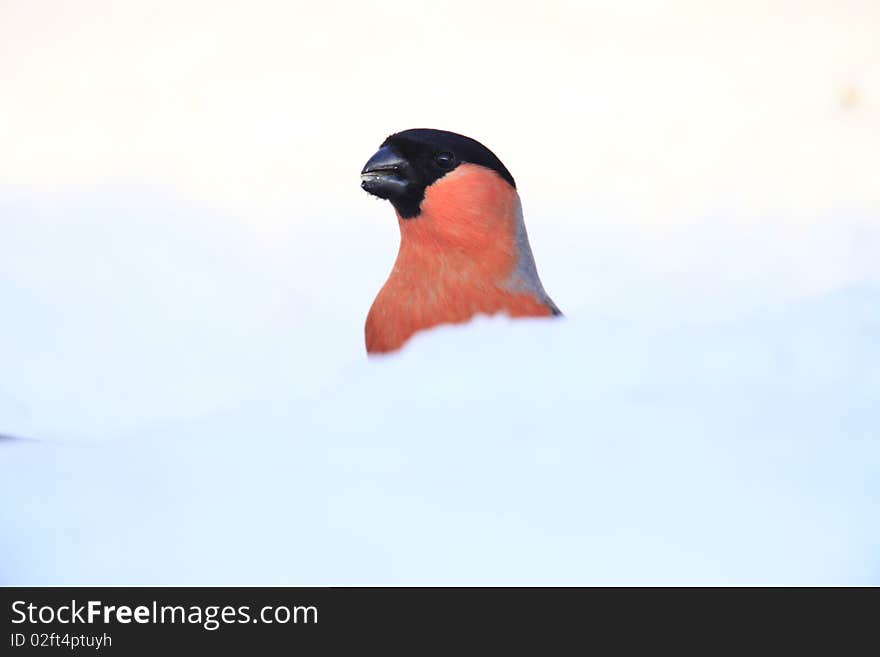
x,y
386,174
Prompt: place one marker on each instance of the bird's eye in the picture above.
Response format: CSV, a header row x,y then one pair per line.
x,y
444,160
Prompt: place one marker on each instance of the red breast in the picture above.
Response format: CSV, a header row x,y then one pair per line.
x,y
463,251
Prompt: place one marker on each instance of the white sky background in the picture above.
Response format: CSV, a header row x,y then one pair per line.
x,y
664,131
668,110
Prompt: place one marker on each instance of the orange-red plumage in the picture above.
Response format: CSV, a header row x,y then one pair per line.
x,y
458,258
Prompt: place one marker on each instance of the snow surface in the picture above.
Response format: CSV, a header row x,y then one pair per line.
x,y
198,411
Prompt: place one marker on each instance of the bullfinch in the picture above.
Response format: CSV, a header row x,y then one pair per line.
x,y
463,251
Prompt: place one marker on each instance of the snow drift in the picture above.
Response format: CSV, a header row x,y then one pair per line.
x,y
583,451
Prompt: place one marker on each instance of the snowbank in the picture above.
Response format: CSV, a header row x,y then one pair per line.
x,y
580,451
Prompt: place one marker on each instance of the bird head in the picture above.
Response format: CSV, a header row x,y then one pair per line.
x,y
434,174
463,249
